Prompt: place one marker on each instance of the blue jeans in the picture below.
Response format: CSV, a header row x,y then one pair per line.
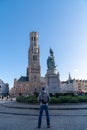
x,y
43,107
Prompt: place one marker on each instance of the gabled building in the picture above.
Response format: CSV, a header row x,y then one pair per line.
x,y
69,86
82,86
4,88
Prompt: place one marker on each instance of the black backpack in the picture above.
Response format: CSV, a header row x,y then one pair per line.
x,y
44,98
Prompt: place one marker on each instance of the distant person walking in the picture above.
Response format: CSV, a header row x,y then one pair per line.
x,y
44,99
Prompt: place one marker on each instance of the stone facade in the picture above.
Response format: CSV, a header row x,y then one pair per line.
x,y
34,69
53,81
33,81
82,86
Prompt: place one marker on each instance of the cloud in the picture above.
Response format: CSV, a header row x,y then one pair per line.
x,y
76,70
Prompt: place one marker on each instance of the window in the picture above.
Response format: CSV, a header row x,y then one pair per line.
x,y
31,38
34,78
34,38
34,58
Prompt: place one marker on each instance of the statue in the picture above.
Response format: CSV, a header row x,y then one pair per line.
x,y
50,61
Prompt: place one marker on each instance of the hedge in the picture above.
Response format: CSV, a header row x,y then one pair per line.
x,y
54,99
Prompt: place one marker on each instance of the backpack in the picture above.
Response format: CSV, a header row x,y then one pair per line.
x,y
44,98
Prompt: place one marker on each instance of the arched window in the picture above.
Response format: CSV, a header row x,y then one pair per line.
x,y
31,38
34,38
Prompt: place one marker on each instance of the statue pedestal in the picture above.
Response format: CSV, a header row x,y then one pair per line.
x,y
53,81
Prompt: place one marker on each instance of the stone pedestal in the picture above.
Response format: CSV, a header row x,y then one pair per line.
x,y
53,81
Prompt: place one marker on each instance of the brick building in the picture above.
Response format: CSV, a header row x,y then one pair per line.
x,y
33,81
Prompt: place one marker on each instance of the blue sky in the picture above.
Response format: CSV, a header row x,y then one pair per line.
x,y
61,25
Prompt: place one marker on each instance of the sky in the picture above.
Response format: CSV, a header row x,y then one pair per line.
x,y
61,25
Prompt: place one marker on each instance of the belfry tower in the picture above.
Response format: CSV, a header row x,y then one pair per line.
x,y
32,82
33,70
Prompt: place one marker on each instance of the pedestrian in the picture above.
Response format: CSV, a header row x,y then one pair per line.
x,y
44,99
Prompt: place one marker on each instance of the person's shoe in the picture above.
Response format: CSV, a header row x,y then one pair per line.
x,y
48,126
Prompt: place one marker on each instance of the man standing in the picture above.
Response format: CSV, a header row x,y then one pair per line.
x,y
43,98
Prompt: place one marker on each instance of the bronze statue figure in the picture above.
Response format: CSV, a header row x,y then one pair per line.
x,y
51,61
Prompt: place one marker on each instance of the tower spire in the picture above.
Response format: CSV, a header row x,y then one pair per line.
x,y
69,77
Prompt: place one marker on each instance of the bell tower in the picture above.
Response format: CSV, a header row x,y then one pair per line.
x,y
33,70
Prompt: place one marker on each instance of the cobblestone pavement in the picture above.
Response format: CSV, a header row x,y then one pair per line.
x,y
19,117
